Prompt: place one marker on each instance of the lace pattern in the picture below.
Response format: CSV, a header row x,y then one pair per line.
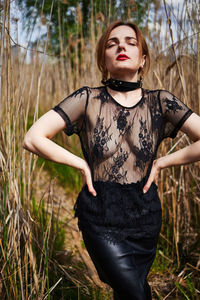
x,y
101,138
120,143
115,171
119,211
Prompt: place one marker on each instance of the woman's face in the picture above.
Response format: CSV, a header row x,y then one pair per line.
x,y
122,54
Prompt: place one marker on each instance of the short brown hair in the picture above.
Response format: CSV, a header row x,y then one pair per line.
x,y
101,47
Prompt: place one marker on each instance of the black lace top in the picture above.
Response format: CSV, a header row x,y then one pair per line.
x,y
120,143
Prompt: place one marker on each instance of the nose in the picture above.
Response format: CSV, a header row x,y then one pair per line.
x,y
121,46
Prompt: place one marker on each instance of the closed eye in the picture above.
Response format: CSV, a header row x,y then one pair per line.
x,y
133,43
110,45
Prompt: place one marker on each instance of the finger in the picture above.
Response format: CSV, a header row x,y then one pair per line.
x,y
90,187
87,179
148,184
92,190
146,187
152,177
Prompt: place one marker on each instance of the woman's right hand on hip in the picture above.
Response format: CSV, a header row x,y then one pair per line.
x,y
87,179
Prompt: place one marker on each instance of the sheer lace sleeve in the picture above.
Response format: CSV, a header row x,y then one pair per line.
x,y
175,113
72,110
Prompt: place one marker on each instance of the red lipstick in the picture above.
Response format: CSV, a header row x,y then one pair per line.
x,y
122,57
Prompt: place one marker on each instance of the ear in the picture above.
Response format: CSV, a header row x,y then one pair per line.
x,y
143,59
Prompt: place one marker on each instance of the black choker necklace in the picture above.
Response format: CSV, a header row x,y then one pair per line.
x,y
122,86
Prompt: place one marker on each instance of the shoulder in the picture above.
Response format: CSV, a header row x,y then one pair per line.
x,y
86,87
158,92
89,89
95,89
161,96
84,92
95,93
152,96
79,92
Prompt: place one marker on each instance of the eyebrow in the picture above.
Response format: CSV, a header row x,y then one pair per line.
x,y
126,38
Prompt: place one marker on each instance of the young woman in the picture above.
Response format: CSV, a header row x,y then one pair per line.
x,y
120,126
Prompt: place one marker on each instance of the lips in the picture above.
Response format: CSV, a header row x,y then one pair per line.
x,y
122,57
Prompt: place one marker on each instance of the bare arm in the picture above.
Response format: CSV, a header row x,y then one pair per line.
x,y
187,155
38,141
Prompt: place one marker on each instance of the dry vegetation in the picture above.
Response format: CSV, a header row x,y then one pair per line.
x,y
31,223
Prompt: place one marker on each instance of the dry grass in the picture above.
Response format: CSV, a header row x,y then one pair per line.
x,y
28,90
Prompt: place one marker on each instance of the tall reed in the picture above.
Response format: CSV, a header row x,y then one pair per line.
x,y
29,89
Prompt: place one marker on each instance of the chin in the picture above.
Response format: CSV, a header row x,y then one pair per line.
x,y
122,71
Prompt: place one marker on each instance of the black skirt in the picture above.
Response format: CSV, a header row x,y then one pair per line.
x,y
120,228
123,265
120,210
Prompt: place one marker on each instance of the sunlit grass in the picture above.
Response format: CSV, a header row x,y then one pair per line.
x,y
32,236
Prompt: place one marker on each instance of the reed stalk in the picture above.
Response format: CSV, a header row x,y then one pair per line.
x,y
28,230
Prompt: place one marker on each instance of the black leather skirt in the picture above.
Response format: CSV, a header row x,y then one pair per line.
x,y
123,265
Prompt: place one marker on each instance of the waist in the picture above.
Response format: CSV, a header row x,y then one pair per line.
x,y
113,196
119,206
137,186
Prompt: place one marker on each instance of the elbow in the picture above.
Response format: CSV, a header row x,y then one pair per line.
x,y
27,143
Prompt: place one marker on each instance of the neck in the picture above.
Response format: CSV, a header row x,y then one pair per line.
x,y
121,85
125,77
